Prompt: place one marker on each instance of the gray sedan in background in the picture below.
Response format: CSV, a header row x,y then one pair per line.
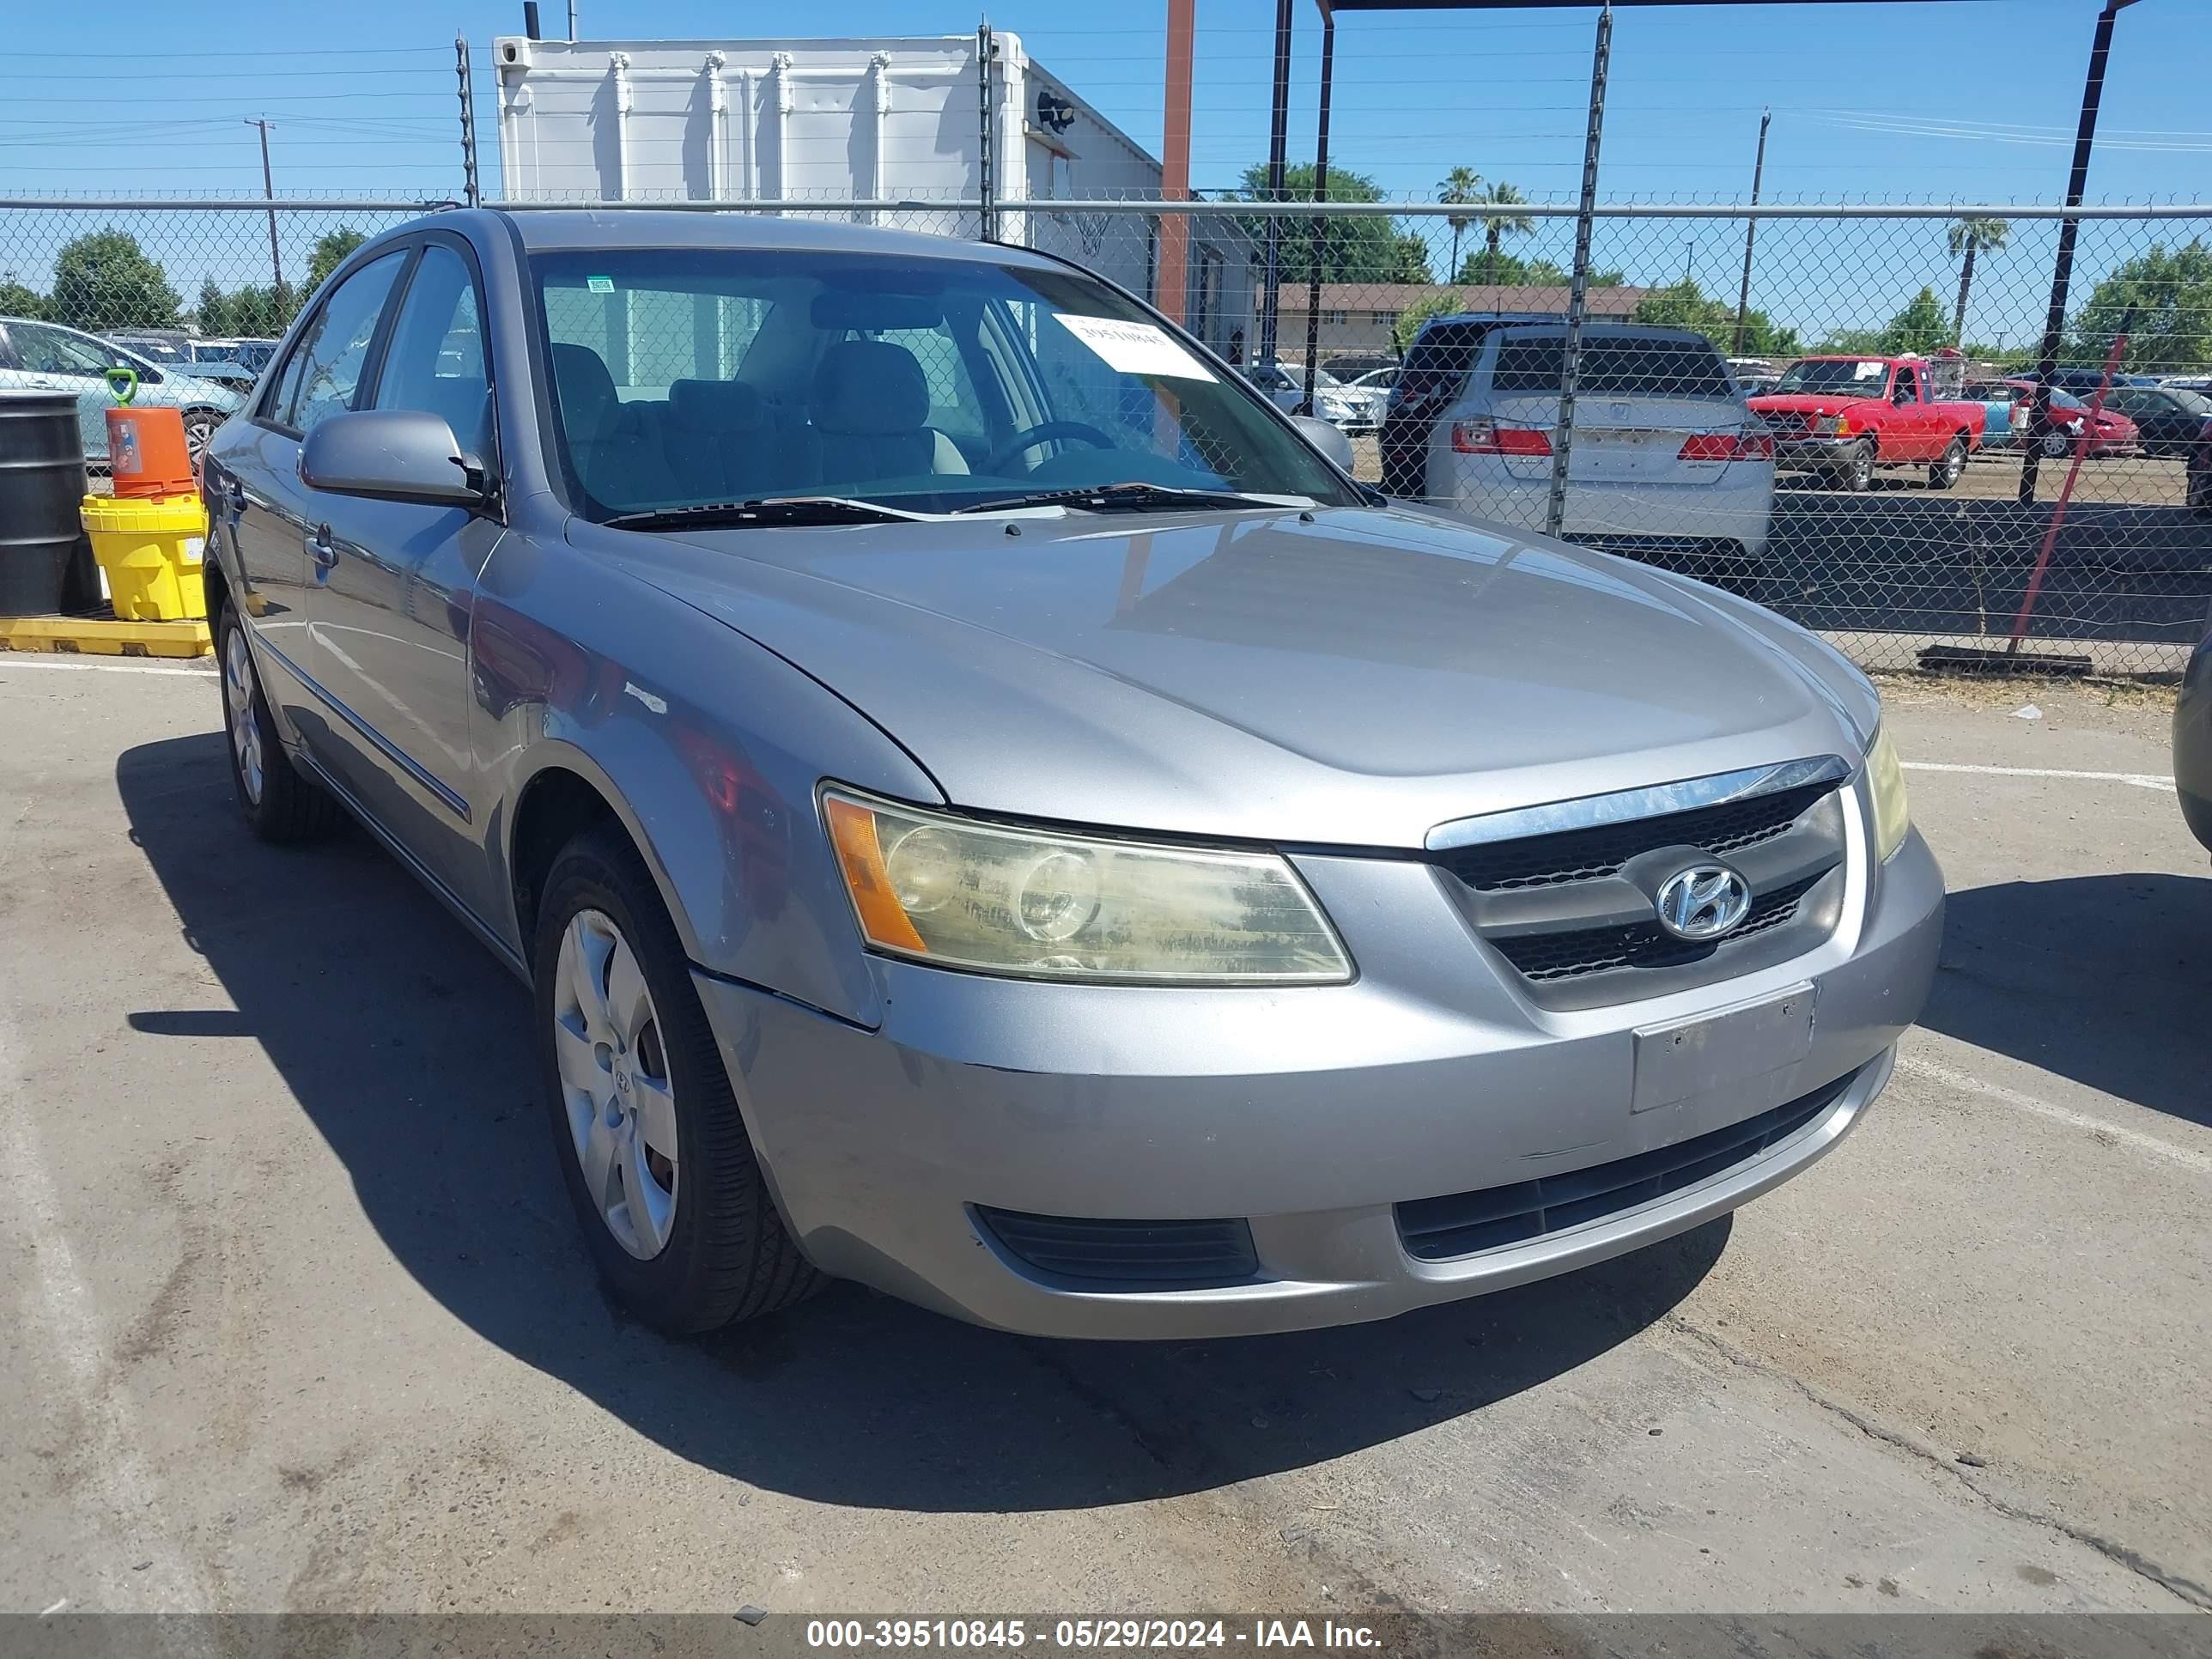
x,y
987,807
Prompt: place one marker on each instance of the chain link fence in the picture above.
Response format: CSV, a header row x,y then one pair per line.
x,y
1831,410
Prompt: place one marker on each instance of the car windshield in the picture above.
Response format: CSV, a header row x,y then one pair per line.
x,y
1857,375
698,377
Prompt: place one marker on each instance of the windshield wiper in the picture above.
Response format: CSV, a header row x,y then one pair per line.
x,y
764,510
1130,497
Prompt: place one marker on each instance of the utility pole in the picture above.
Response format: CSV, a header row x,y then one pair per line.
x,y
572,19
1278,127
1689,258
2062,271
1175,160
470,193
269,192
1751,231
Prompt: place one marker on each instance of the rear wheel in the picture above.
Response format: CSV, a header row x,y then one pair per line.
x,y
199,427
1947,471
279,804
673,1203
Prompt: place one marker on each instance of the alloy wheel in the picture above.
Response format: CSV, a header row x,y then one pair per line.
x,y
620,1104
238,699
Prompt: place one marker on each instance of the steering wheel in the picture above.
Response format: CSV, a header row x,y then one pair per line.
x,y
1030,437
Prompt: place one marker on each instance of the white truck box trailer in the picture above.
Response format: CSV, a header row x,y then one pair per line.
x,y
886,119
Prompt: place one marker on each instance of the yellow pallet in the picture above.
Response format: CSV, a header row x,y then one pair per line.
x,y
95,636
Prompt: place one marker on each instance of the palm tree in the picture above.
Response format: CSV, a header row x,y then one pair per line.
x,y
1969,236
1496,225
1459,188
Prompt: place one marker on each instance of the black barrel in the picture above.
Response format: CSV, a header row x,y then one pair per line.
x,y
41,481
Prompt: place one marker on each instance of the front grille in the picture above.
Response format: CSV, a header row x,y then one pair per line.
x,y
1137,1255
1646,944
1585,854
1440,1228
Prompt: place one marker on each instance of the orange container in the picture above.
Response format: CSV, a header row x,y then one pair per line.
x,y
146,453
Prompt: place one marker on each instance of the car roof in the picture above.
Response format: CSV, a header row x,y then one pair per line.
x,y
544,230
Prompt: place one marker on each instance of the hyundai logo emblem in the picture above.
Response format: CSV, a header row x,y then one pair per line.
x,y
1703,902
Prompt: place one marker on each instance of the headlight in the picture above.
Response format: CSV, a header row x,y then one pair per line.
x,y
1042,905
1833,426
1885,784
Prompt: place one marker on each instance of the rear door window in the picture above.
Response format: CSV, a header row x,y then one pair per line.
x,y
1614,364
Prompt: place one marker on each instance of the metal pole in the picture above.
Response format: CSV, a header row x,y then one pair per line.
x,y
470,193
1279,139
2061,270
987,211
1169,291
572,19
269,192
1751,231
1563,440
1321,194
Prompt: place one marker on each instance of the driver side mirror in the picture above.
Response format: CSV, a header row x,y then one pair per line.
x,y
391,455
1330,441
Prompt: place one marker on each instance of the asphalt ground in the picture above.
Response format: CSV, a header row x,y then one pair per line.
x,y
298,1318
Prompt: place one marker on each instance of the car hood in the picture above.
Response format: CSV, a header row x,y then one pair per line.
x,y
1806,402
1351,677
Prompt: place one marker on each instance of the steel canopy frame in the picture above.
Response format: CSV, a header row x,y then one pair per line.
x,y
1279,126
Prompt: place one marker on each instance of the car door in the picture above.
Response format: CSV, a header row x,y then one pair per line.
x,y
256,496
1908,423
393,582
56,359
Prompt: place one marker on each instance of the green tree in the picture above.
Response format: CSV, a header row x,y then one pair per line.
x,y
1684,305
330,250
1441,303
17,300
1366,249
1501,221
211,311
1920,327
2171,291
104,280
1969,236
1510,270
1457,188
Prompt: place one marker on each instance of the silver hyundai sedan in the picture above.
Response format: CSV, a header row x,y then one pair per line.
x,y
988,808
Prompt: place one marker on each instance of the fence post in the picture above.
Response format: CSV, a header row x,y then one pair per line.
x,y
470,193
1279,138
1320,221
987,213
1570,359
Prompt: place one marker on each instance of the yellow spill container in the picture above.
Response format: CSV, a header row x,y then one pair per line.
x,y
151,552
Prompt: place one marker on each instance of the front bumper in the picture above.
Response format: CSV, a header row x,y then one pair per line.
x,y
1309,1112
1814,450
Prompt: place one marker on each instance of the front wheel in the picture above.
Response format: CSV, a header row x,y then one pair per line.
x,y
199,427
1947,471
673,1203
1857,471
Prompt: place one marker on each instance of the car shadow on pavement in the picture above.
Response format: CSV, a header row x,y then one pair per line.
x,y
404,1042
2099,978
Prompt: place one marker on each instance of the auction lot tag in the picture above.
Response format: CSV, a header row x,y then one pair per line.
x,y
1135,348
1731,1062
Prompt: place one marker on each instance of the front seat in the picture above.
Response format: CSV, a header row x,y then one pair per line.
x,y
617,460
869,413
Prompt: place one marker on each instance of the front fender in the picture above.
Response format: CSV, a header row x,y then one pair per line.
x,y
708,747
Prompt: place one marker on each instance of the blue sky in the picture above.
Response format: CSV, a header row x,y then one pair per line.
x,y
1973,100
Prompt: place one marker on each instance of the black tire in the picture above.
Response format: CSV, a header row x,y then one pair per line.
x,y
1857,474
728,1256
1947,472
280,803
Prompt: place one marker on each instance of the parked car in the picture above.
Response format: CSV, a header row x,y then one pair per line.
x,y
254,354
1666,459
1284,384
2166,418
2005,411
1844,416
1351,366
1063,852
2084,378
49,357
2196,489
158,345
2193,732
2112,434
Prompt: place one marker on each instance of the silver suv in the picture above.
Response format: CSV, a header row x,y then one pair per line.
x,y
985,808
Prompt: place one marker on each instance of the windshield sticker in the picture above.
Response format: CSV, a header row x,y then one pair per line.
x,y
1135,348
600,284
1869,371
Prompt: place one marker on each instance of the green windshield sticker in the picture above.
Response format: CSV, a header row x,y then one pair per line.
x,y
600,284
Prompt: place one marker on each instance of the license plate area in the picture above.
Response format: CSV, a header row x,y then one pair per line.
x,y
1728,1065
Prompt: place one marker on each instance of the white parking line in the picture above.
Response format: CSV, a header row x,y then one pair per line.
x,y
2139,779
1935,1071
26,659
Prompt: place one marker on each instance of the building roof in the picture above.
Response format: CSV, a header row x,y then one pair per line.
x,y
1471,296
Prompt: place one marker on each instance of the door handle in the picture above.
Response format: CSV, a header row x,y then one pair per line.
x,y
321,548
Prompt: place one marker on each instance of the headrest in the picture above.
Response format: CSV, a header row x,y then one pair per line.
x,y
869,386
722,404
588,405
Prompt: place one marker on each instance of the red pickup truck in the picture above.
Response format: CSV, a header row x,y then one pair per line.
x,y
1843,416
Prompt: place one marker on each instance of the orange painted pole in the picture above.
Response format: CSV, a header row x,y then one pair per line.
x,y
1173,280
